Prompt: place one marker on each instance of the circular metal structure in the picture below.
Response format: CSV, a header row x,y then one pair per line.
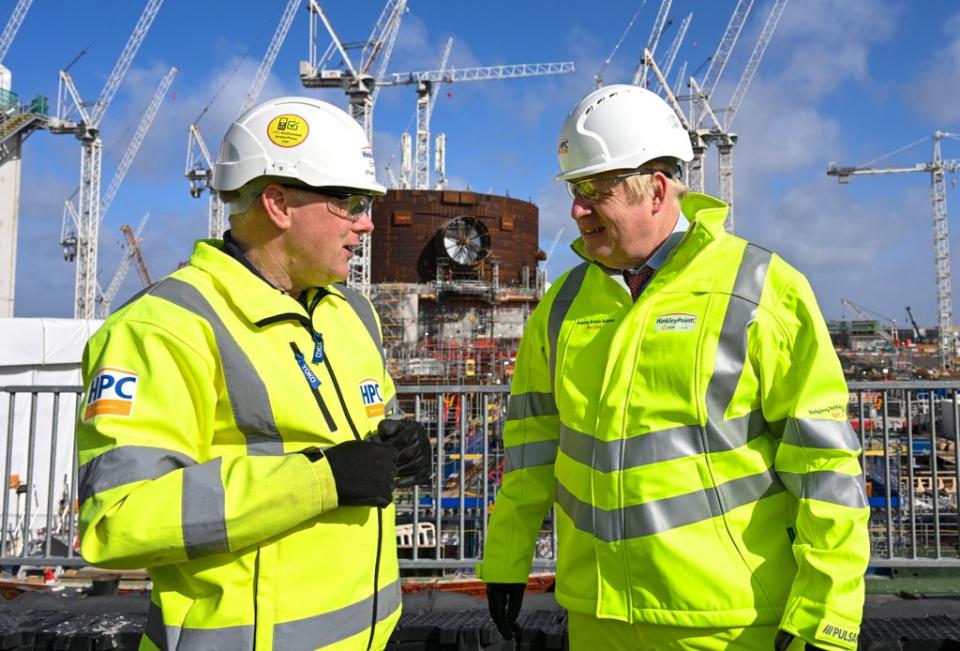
x,y
466,240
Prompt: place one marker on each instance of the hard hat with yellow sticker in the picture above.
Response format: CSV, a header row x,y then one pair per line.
x,y
299,138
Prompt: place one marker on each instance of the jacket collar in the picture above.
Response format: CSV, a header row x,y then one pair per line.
x,y
248,291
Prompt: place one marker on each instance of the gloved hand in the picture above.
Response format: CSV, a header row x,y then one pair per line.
x,y
410,440
363,472
504,601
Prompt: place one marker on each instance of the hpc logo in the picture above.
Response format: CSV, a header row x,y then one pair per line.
x,y
372,399
111,391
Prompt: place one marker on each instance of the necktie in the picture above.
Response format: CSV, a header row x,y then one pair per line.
x,y
636,280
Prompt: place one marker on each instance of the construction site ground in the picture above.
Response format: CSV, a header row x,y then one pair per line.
x,y
902,613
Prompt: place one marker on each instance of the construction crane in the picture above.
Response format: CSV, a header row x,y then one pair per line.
x,y
132,254
13,25
87,131
703,106
199,167
937,169
361,82
913,323
890,338
671,54
659,25
70,222
426,99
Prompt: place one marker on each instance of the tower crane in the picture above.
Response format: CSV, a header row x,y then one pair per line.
x,y
428,84
719,133
361,82
659,25
937,169
671,54
132,253
68,229
199,168
13,25
87,131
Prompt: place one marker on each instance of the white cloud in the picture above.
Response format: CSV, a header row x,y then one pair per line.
x,y
932,94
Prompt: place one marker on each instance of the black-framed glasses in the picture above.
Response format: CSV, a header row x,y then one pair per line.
x,y
356,204
599,188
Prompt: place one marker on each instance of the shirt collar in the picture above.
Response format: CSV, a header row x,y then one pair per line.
x,y
663,252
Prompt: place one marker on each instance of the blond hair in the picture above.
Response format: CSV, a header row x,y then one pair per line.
x,y
640,187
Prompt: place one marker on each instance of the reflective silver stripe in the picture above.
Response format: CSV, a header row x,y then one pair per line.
x,y
247,392
172,638
821,434
661,445
364,310
322,630
558,311
732,345
669,513
203,519
531,404
529,455
827,486
125,465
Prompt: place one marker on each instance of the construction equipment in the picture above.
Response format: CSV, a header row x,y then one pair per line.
x,y
13,25
598,78
132,254
659,25
671,54
70,221
719,132
87,131
937,169
889,337
913,324
199,168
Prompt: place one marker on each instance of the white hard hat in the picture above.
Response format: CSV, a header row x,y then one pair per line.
x,y
299,138
619,127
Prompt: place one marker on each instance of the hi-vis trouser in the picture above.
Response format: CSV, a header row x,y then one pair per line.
x,y
695,444
203,391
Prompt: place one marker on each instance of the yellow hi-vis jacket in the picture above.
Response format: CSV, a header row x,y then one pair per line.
x,y
695,444
201,393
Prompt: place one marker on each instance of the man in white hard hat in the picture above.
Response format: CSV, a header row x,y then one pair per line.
x,y
240,437
678,399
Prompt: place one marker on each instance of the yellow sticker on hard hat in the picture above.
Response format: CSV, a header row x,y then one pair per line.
x,y
287,130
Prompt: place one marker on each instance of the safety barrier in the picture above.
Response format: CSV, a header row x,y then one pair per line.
x,y
909,432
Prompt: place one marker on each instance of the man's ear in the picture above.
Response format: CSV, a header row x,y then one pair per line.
x,y
275,201
661,184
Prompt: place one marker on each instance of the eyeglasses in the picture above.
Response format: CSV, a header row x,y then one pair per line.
x,y
599,188
356,205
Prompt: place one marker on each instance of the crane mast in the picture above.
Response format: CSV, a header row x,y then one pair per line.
x,y
132,254
87,130
937,169
13,25
659,25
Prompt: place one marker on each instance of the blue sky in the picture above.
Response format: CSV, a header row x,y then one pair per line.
x,y
842,80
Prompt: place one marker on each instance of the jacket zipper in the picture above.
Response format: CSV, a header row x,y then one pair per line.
x,y
314,383
356,433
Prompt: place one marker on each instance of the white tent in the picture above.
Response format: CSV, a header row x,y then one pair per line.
x,y
39,386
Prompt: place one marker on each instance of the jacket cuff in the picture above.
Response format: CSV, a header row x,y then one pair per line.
x,y
819,625
326,486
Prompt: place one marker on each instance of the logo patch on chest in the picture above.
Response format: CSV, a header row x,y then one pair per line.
x,y
676,322
111,391
372,398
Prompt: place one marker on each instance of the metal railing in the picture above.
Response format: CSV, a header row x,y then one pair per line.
x,y
909,432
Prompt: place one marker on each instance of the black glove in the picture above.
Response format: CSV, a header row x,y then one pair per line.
x,y
504,601
410,440
363,472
